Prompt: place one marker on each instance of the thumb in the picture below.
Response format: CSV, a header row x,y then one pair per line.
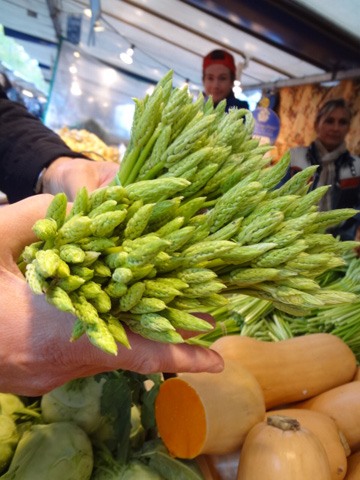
x,y
17,220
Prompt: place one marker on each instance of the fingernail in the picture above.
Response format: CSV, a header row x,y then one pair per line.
x,y
216,368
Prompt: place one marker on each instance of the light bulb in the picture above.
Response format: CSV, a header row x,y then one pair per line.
x,y
75,89
27,93
126,58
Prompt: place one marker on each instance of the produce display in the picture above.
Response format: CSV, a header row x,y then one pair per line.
x,y
195,412
95,428
88,144
194,222
126,426
342,404
272,444
327,431
296,365
260,319
192,214
298,444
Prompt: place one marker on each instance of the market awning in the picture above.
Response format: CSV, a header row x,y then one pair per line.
x,y
274,41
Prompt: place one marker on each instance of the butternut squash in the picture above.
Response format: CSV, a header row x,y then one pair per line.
x,y
207,467
343,405
280,449
325,430
357,374
292,370
207,413
353,470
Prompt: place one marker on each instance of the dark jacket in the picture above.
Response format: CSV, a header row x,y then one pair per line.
x,y
345,192
232,101
26,147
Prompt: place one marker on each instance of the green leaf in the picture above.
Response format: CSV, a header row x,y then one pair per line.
x,y
116,403
147,407
169,467
136,384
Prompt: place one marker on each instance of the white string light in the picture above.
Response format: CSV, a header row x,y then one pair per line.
x,y
127,57
237,88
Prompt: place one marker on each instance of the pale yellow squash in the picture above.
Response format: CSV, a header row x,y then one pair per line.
x,y
353,470
343,405
292,370
325,430
282,450
208,413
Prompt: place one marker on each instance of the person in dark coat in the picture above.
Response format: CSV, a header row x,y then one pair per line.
x,y
34,159
218,78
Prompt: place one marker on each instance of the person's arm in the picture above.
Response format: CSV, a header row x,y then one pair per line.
x,y
35,352
27,146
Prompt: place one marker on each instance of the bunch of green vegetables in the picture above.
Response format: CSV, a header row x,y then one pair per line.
x,y
192,214
95,428
254,317
15,419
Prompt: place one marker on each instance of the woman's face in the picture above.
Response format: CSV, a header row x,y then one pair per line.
x,y
333,128
217,82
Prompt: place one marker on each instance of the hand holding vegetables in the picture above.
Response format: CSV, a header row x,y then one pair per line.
x,y
68,175
138,253
35,352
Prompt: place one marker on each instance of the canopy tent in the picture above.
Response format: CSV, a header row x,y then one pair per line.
x,y
272,41
276,43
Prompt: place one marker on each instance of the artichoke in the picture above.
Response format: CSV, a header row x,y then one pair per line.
x,y
77,401
10,403
57,451
8,440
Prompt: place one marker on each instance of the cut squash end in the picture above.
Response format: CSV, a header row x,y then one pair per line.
x,y
180,418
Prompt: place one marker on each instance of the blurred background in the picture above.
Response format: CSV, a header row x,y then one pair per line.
x,y
77,64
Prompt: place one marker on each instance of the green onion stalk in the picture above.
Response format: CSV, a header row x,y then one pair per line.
x,y
260,319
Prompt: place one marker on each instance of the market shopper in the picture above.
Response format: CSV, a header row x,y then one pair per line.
x,y
34,159
35,352
337,166
218,79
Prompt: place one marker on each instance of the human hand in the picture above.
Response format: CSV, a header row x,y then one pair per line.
x,y
35,352
68,175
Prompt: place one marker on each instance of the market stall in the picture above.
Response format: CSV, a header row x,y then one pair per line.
x,y
194,243
141,258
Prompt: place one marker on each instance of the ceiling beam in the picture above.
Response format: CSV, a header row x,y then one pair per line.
x,y
54,11
294,82
290,27
193,31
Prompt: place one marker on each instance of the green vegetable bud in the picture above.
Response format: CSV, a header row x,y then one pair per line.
x,y
90,289
70,283
71,253
101,302
115,289
122,275
47,262
45,228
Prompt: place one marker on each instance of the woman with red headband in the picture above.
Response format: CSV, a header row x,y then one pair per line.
x,y
218,78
